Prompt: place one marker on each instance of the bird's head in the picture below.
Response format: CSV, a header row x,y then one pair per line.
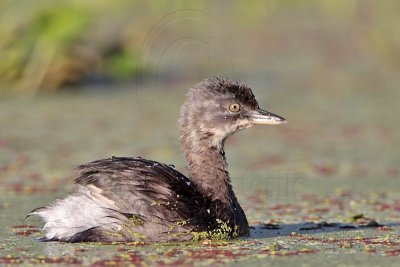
x,y
216,108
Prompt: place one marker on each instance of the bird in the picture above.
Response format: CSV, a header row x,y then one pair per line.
x,y
132,199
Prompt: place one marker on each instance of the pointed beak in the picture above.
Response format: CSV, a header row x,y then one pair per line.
x,y
263,117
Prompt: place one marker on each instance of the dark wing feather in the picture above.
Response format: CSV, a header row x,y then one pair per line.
x,y
150,189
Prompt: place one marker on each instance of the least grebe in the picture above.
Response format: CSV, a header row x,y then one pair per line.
x,y
135,199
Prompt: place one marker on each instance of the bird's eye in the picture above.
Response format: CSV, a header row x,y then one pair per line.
x,y
235,107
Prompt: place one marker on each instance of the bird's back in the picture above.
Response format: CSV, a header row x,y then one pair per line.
x,y
129,199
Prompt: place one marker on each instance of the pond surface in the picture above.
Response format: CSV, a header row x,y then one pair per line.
x,y
323,188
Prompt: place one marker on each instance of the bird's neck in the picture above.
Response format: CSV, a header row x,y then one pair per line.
x,y
208,168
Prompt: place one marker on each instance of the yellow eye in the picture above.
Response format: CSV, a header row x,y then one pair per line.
x,y
235,107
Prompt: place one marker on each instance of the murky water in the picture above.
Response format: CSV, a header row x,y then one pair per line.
x,y
336,161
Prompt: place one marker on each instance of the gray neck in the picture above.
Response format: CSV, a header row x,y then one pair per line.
x,y
208,168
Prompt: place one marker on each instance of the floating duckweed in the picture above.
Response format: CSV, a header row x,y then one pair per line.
x,y
129,230
346,245
115,234
354,218
367,248
275,247
182,223
197,236
222,233
136,234
136,220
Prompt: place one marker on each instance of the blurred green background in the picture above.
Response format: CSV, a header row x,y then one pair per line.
x,y
50,45
84,80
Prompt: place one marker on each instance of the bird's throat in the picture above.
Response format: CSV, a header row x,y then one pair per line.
x,y
208,169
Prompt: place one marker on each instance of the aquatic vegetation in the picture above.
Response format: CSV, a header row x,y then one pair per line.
x,y
223,233
345,152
